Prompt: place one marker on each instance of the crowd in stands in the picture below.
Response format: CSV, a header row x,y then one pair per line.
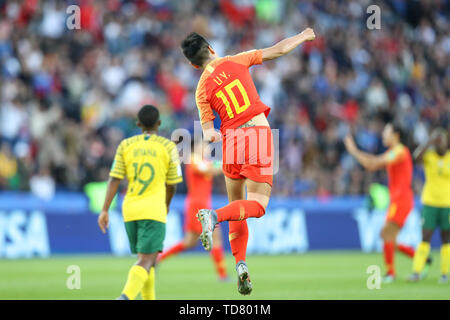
x,y
68,96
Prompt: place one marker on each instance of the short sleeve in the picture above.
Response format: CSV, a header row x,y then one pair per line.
x,y
395,154
174,174
248,58
118,167
201,99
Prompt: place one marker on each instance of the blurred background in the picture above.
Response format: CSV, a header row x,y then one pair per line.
x,y
67,97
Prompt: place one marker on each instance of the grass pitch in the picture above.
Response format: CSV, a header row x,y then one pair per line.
x,y
315,275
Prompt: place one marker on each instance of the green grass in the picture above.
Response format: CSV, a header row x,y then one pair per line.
x,y
316,275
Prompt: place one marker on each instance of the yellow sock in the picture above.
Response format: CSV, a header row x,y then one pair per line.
x,y
148,290
136,279
420,257
445,258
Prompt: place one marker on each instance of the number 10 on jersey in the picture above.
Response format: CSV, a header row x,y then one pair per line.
x,y
229,89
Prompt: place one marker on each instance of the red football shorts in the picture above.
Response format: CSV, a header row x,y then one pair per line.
x,y
248,153
399,211
192,206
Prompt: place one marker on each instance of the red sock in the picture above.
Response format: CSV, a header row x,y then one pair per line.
x,y
409,251
219,261
388,251
179,247
239,210
238,236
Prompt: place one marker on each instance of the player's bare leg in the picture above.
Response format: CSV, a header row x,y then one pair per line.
x,y
235,189
258,191
217,238
189,241
147,260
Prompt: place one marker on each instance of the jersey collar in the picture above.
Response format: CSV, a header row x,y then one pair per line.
x,y
209,67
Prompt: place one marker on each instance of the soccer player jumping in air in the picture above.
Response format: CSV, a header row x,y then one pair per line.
x,y
226,87
397,160
152,167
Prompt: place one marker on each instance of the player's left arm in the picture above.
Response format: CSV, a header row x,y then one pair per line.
x,y
287,45
174,174
369,161
170,192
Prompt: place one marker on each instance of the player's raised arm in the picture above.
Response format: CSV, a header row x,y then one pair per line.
x,y
420,150
369,161
287,45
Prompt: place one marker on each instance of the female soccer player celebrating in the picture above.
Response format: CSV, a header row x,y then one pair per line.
x,y
226,87
398,163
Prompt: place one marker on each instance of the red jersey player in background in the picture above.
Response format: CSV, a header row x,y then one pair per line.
x,y
199,175
226,87
398,163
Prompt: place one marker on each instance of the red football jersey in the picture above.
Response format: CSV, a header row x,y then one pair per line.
x,y
400,170
199,185
227,87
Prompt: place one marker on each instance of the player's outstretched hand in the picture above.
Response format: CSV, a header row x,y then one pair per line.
x,y
309,35
103,221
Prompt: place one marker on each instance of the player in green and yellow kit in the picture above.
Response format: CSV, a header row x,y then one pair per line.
x,y
436,203
152,167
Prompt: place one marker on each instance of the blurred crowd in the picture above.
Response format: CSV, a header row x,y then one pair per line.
x,y
68,96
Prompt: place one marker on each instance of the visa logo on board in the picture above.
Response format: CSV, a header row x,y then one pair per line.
x,y
370,224
23,235
280,231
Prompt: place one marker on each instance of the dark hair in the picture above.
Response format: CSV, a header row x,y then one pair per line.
x,y
387,117
148,116
397,128
195,49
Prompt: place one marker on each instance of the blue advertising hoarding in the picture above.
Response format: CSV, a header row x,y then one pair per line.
x,y
30,227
